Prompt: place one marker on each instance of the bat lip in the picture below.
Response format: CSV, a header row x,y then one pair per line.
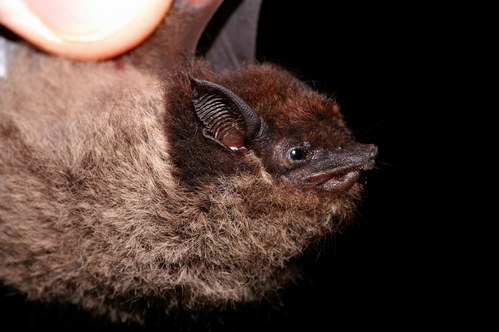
x,y
339,179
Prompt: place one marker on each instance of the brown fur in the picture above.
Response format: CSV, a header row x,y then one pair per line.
x,y
110,197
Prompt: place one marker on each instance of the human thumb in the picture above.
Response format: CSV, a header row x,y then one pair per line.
x,y
83,29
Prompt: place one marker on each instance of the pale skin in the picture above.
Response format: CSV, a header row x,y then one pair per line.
x,y
84,29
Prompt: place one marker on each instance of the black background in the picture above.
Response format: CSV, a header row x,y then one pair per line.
x,y
380,274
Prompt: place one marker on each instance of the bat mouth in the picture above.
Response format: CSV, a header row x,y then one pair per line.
x,y
338,180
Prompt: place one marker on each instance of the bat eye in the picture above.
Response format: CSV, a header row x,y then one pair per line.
x,y
297,154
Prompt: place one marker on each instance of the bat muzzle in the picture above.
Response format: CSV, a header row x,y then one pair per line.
x,y
335,171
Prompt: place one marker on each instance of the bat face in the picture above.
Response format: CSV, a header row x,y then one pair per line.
x,y
301,139
323,167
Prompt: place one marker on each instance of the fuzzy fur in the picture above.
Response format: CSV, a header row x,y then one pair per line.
x,y
111,199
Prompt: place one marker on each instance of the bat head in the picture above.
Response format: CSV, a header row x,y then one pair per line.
x,y
298,134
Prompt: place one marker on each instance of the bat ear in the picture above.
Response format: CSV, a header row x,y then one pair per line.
x,y
226,118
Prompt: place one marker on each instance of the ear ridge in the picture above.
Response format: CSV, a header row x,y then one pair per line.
x,y
220,119
226,118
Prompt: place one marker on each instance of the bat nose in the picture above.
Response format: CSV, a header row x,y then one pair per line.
x,y
372,151
346,167
357,154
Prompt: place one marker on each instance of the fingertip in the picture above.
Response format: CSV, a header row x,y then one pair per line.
x,y
80,34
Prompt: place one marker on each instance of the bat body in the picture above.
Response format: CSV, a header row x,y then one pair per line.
x,y
122,187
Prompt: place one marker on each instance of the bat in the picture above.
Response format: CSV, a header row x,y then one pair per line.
x,y
161,179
